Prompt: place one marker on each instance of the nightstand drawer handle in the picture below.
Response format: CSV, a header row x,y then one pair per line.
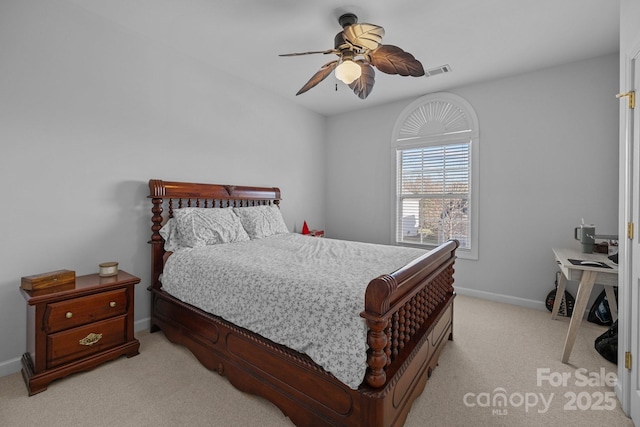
x,y
90,339
112,304
69,315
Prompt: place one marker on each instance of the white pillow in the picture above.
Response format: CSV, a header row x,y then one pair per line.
x,y
169,233
261,221
200,227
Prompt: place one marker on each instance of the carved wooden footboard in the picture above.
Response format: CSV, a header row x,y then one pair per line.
x,y
409,314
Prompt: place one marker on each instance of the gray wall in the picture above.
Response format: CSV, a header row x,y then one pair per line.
x,y
548,157
89,112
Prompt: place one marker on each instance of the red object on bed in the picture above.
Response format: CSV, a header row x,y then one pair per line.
x,y
305,228
409,313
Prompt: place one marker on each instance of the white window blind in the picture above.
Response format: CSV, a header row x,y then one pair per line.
x,y
434,194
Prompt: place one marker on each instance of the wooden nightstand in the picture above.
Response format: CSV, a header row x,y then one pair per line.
x,y
76,327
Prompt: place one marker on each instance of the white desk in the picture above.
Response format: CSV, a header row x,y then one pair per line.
x,y
587,275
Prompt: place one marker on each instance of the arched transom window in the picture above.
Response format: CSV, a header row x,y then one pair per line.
x,y
435,150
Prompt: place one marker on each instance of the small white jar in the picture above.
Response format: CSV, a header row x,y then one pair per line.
x,y
108,269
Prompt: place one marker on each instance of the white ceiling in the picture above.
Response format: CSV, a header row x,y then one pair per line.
x,y
479,39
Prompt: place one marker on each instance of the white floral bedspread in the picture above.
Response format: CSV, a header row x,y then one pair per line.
x,y
304,292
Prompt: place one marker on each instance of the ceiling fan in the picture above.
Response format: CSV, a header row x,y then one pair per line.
x,y
359,48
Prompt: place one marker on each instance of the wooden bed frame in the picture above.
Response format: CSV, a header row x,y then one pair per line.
x,y
409,314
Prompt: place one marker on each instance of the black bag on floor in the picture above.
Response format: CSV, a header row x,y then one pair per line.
x,y
600,312
564,310
607,344
566,305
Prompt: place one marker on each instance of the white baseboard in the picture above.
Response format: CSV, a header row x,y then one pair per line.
x,y
142,324
523,302
11,366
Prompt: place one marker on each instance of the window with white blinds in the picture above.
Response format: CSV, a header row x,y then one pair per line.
x,y
434,194
436,174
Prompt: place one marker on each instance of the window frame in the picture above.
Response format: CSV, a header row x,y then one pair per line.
x,y
437,136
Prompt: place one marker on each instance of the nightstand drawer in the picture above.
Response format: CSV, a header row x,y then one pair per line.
x,y
64,347
80,311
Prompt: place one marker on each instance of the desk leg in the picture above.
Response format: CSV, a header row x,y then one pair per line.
x,y
562,284
584,290
611,299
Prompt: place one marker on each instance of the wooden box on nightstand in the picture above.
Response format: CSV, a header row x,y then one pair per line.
x,y
75,328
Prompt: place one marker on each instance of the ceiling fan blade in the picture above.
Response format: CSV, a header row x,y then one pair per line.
x,y
322,74
364,36
393,60
364,84
309,53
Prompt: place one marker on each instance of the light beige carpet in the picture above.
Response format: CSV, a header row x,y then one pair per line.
x,y
498,350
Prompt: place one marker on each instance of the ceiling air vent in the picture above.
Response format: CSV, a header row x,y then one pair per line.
x,y
438,70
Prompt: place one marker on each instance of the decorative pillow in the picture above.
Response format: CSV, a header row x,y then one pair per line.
x,y
200,227
169,233
261,221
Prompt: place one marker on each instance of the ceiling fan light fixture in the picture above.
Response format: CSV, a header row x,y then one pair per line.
x,y
348,71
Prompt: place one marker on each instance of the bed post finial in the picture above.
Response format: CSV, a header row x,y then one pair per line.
x,y
156,188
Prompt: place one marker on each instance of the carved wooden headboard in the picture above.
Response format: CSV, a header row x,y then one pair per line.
x,y
175,195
